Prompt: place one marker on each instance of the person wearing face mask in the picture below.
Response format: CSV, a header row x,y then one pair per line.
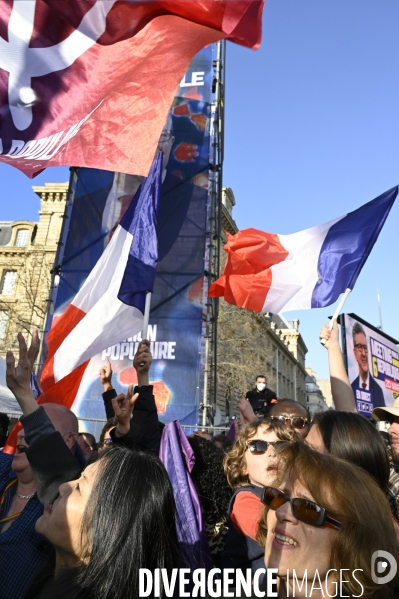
x,y
260,397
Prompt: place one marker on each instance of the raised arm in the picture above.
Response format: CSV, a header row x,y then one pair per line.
x,y
51,460
123,406
145,424
18,376
142,363
106,375
247,414
341,389
143,428
109,392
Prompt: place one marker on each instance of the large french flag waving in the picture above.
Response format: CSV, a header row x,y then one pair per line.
x,y
110,305
266,272
90,82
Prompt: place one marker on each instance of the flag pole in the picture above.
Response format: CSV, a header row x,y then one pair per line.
x,y
337,311
146,315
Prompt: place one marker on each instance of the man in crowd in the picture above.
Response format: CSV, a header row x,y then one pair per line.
x,y
293,415
364,380
87,444
290,413
260,397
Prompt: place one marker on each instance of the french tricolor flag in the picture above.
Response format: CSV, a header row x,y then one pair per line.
x,y
110,305
266,272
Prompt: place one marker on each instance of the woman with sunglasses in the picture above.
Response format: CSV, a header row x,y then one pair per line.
x,y
316,523
251,464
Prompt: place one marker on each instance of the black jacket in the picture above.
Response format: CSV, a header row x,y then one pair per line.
x,y
144,425
261,401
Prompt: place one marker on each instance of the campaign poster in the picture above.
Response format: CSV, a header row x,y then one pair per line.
x,y
373,364
100,199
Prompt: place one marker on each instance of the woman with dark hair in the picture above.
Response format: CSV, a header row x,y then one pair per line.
x,y
351,437
324,519
106,523
118,517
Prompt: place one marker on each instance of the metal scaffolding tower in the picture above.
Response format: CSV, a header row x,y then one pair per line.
x,y
208,406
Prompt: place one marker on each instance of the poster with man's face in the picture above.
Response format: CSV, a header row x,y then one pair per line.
x,y
373,365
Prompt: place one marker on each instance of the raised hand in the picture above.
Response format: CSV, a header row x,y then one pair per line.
x,y
106,375
142,362
341,389
123,406
247,414
18,376
34,348
329,337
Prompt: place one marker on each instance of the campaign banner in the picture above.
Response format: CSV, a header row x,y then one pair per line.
x,y
373,364
100,199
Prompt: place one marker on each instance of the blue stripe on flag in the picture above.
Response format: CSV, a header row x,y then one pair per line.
x,y
347,246
140,220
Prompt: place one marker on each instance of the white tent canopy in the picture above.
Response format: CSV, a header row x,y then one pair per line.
x,y
8,403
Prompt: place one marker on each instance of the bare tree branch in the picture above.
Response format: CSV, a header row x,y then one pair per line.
x,y
26,307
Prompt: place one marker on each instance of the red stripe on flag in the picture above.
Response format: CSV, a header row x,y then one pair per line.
x,y
65,391
247,278
65,324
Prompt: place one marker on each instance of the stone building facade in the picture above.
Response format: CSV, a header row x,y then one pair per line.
x,y
315,400
325,386
27,253
251,344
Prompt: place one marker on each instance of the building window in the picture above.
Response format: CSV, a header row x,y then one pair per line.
x,y
22,238
3,324
8,283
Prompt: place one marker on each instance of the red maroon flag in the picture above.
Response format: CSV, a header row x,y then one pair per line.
x,y
90,82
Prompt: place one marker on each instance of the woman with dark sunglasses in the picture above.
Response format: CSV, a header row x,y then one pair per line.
x,y
251,464
317,523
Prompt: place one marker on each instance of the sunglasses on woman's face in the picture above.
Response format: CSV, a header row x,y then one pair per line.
x,y
257,447
296,421
304,510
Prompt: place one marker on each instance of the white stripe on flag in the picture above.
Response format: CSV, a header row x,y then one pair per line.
x,y
109,266
294,280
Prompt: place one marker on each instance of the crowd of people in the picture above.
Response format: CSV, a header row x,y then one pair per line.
x,y
315,502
